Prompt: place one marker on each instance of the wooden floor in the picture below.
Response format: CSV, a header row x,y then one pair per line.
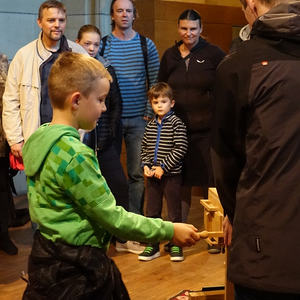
x,y
158,279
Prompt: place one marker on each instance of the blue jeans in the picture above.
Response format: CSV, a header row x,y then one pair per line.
x,y
133,132
243,293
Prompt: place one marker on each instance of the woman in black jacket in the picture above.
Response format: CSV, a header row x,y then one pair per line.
x,y
189,68
103,137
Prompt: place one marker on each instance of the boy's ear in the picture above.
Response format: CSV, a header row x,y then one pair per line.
x,y
75,99
172,103
252,5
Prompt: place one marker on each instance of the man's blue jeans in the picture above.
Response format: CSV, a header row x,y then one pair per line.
x,y
133,132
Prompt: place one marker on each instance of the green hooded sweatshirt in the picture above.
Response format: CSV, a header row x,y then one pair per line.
x,y
69,198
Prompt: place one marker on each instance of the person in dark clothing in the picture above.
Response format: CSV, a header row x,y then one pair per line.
x,y
7,213
103,139
244,35
189,68
255,153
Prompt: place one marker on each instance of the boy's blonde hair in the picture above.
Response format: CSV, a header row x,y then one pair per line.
x,y
160,89
73,72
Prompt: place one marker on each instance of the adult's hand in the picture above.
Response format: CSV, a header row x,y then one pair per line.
x,y
227,228
16,149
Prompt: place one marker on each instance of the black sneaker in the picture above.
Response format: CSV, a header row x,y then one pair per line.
x,y
176,253
151,251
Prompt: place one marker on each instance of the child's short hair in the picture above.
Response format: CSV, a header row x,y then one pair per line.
x,y
160,89
73,72
87,28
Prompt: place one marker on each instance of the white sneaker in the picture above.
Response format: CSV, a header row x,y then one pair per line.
x,y
130,246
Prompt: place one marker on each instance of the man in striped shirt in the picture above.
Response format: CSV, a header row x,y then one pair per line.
x,y
124,49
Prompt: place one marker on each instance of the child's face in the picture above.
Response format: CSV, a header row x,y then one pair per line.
x,y
90,108
90,41
162,105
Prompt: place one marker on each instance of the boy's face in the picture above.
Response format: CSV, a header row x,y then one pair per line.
x,y
90,108
162,105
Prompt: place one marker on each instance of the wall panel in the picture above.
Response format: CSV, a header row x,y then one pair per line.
x,y
158,20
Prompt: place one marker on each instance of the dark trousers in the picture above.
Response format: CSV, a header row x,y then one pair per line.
x,y
170,187
7,209
112,170
243,293
58,271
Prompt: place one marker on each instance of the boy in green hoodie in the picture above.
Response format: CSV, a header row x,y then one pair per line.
x,y
70,200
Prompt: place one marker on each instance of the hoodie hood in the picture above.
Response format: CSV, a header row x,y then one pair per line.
x,y
39,144
245,33
280,22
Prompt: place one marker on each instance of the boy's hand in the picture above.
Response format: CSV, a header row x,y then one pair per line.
x,y
148,172
158,171
185,235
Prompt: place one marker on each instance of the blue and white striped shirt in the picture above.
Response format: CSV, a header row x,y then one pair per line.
x,y
127,59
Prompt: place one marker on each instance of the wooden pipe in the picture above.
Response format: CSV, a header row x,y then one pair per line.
x,y
206,234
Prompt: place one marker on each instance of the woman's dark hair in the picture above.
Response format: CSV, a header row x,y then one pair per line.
x,y
87,28
191,15
112,11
